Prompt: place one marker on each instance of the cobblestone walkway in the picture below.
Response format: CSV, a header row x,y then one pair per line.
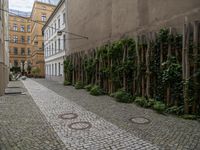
x,y
167,132
22,125
79,128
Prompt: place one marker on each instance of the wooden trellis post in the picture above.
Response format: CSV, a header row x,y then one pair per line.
x,y
185,66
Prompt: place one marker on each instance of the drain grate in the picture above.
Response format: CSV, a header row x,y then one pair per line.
x,y
82,125
140,120
68,116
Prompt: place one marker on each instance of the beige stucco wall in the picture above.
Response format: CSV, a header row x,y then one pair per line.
x,y
104,20
4,56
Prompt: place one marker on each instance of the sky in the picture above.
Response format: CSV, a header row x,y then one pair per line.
x,y
23,5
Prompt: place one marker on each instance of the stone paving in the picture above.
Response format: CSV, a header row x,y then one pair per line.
x,y
78,128
22,125
168,132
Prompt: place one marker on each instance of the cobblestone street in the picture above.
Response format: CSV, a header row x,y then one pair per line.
x,y
51,116
167,132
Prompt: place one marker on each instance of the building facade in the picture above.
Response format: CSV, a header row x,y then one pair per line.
x,y
108,20
54,46
20,42
4,51
26,39
40,14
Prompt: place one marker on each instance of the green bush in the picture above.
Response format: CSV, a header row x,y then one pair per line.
x,y
175,110
189,117
159,106
88,87
96,90
79,85
123,97
66,83
143,102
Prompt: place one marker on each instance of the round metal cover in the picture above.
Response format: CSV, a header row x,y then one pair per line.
x,y
68,116
140,120
80,125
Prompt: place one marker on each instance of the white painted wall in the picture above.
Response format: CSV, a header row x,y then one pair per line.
x,y
54,54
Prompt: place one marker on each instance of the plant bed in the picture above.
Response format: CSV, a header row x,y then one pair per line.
x,y
79,85
96,90
66,83
122,96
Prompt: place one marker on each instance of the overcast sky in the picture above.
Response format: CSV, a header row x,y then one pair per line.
x,y
22,5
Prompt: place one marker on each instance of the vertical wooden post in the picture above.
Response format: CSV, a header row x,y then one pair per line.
x,y
149,38
168,56
185,66
142,62
195,53
138,66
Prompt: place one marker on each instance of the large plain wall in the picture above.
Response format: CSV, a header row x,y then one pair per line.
x,y
108,20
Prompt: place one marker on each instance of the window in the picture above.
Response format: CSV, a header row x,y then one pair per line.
x,y
59,44
44,17
55,69
29,51
28,28
22,39
28,39
15,51
15,27
29,63
52,69
55,46
22,51
52,48
55,26
64,46
15,63
15,39
52,29
59,69
22,28
59,23
64,18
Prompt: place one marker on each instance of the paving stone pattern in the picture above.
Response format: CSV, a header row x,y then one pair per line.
x,y
23,126
101,135
166,131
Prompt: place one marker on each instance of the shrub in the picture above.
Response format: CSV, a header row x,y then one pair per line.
x,y
88,87
175,110
159,106
66,83
141,101
189,117
96,90
123,97
79,85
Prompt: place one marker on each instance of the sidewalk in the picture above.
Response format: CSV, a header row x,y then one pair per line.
x,y
22,125
167,132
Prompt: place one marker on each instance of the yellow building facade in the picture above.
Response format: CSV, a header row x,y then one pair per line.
x,y
26,40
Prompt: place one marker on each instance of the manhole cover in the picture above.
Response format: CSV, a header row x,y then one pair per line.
x,y
140,120
68,116
80,125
